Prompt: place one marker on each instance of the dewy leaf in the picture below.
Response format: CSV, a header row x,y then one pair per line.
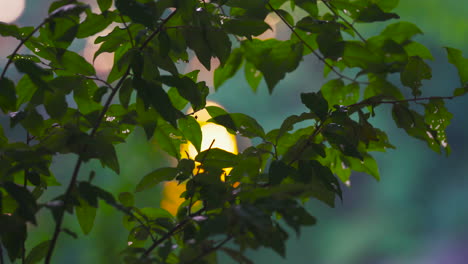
x,y
191,130
86,215
273,58
316,103
225,72
456,58
414,72
7,95
155,177
38,252
438,118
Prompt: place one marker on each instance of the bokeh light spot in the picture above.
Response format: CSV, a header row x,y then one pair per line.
x,y
10,10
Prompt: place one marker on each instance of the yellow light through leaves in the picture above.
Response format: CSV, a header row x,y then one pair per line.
x,y
10,10
210,131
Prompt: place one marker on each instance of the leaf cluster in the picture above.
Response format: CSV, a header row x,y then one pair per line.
x,y
66,108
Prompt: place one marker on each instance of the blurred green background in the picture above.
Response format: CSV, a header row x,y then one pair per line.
x,y
416,214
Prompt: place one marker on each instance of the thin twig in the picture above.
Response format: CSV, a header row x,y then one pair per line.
x,y
211,250
322,59
331,8
128,30
170,233
94,130
417,99
1,254
10,60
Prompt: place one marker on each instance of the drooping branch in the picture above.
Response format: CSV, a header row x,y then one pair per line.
x,y
416,99
72,183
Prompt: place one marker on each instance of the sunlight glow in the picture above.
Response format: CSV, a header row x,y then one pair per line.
x,y
210,131
10,10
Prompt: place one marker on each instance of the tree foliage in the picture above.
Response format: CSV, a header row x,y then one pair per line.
x,y
66,108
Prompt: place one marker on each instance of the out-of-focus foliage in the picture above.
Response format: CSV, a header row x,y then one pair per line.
x,y
306,157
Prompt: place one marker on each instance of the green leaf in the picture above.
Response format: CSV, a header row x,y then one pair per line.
x,y
308,5
169,139
7,95
73,63
240,123
237,256
438,118
415,71
417,49
197,40
401,31
95,23
155,177
104,5
316,103
226,71
139,13
245,27
26,202
38,252
127,199
278,171
373,13
381,87
10,30
336,93
55,104
273,58
368,165
188,89
456,58
13,234
217,158
191,130
86,215
125,92
219,43
290,121
252,75
153,94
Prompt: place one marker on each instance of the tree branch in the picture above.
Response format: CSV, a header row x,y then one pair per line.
x,y
94,130
330,7
417,99
322,59
211,250
10,60
128,30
